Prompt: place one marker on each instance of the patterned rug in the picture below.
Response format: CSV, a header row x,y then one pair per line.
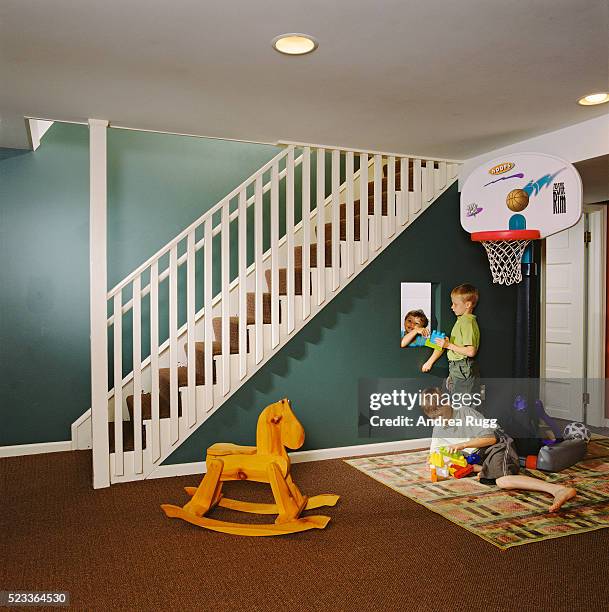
x,y
503,518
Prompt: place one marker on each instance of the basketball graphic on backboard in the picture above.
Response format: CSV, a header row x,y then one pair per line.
x,y
517,200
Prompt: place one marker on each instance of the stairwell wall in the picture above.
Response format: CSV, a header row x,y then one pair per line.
x,y
157,185
356,336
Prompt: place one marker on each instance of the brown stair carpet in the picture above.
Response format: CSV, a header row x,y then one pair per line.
x,y
343,229
266,308
233,332
283,280
313,255
356,207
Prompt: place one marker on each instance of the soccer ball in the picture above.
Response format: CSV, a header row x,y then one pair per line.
x,y
577,431
517,200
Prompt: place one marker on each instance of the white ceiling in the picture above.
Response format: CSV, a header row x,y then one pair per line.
x,y
448,78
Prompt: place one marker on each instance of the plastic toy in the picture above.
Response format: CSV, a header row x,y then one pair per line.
x,y
577,431
462,472
442,457
473,459
443,464
267,462
557,457
431,340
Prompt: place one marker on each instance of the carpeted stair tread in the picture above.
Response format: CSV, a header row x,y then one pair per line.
x,y
233,332
266,308
313,255
343,229
356,207
283,280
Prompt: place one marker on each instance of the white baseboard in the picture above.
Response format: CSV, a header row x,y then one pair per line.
x,y
322,454
18,450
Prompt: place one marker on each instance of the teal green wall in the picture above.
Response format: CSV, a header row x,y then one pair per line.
x,y
356,336
157,185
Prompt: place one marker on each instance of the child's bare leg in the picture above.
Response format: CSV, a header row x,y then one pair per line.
x,y
561,494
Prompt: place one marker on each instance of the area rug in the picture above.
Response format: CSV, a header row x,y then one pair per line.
x,y
503,518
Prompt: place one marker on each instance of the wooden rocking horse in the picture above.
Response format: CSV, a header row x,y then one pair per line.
x,y
266,462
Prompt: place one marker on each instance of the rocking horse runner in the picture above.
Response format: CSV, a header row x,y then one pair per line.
x,y
266,462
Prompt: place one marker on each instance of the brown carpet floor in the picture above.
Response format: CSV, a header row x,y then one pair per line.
x,y
113,549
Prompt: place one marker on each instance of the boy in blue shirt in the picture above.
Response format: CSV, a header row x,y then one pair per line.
x,y
417,334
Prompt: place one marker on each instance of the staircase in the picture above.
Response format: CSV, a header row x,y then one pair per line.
x,y
212,306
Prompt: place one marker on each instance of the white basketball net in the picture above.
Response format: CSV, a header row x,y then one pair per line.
x,y
505,257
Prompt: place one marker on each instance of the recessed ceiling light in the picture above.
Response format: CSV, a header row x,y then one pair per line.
x,y
596,98
294,44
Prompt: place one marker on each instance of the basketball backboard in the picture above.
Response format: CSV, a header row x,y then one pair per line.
x,y
524,191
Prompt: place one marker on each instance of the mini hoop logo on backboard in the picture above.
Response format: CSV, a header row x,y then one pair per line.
x,y
501,168
559,199
473,209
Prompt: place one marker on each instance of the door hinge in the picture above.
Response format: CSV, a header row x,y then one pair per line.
x,y
587,237
585,399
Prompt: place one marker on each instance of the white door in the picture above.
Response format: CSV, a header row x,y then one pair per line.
x,y
564,324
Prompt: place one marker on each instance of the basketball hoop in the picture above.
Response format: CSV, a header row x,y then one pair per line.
x,y
505,249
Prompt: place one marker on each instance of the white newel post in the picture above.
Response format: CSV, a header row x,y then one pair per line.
x,y
98,290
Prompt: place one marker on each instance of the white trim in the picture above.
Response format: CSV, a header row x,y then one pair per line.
x,y
321,454
98,287
597,257
81,432
18,450
287,143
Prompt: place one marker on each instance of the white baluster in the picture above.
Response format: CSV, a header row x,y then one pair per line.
x,y
416,187
289,230
190,323
335,219
119,467
258,235
137,375
225,278
349,216
429,175
321,226
154,360
363,206
173,345
306,232
441,175
207,306
274,256
404,190
378,195
390,196
242,227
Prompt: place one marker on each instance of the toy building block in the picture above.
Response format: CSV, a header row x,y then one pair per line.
x,y
431,340
456,457
462,472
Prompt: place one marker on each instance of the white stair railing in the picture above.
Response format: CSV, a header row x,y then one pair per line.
x,y
203,276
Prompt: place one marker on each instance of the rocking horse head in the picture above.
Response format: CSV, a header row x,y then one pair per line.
x,y
277,428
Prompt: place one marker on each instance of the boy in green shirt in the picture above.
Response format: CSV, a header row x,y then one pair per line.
x,y
462,346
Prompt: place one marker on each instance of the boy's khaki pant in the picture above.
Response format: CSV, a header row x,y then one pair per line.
x,y
463,376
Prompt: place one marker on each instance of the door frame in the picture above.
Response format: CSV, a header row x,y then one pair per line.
x,y
595,308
